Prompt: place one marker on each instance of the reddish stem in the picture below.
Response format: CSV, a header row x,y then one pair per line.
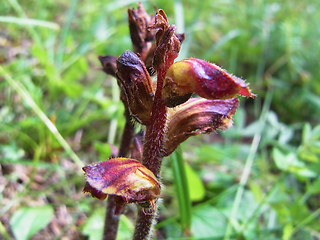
x,y
155,130
115,204
152,152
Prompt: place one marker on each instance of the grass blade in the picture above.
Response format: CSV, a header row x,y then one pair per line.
x,y
65,32
52,128
247,169
16,6
181,184
29,21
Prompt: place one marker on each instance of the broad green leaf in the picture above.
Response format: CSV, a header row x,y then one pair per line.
x,y
27,221
291,163
287,232
196,188
126,228
316,133
208,222
93,227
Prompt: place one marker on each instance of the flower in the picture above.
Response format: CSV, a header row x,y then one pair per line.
x,y
123,177
197,116
198,76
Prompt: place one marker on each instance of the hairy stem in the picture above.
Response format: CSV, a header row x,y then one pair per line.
x,y
152,154
115,204
113,212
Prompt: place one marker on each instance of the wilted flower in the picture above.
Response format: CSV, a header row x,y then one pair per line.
x,y
141,35
197,116
123,177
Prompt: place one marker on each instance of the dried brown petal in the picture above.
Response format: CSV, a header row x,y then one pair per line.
x,y
109,64
135,83
123,177
198,76
140,33
168,45
195,117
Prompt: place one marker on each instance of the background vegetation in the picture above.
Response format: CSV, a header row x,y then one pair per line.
x,y
258,180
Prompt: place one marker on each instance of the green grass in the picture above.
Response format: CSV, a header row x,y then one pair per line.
x,y
58,111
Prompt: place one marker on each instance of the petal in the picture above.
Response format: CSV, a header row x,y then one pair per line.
x,y
94,192
198,76
123,177
195,117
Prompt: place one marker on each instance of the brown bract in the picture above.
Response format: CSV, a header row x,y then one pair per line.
x,y
168,44
109,64
195,117
140,33
123,177
134,81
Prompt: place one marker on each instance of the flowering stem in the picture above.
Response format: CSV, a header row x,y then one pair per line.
x,y
154,133
152,156
115,204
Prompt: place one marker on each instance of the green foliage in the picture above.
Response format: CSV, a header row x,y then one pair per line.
x,y
257,180
27,221
195,185
93,228
208,222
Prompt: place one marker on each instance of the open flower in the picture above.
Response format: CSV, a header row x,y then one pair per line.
x,y
197,116
198,76
123,177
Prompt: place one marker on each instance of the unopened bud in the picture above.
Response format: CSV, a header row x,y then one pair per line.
x,y
198,76
134,81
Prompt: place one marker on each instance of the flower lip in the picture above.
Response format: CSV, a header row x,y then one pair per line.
x,y
197,116
123,177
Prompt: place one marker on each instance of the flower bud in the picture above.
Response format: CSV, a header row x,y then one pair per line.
x,y
123,177
136,84
198,76
197,116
